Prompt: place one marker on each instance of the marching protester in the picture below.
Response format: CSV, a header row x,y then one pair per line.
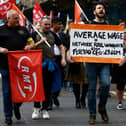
x,y
119,72
56,87
95,71
56,27
48,67
12,37
76,74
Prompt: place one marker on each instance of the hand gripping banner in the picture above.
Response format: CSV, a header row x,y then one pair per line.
x,y
26,79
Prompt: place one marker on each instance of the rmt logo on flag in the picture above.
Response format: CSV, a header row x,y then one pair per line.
x,y
26,75
26,80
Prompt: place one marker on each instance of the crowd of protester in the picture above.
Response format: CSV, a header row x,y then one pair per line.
x,y
84,77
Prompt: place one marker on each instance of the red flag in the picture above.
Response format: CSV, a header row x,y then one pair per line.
x,y
21,15
38,13
23,21
51,15
5,7
26,76
79,14
13,1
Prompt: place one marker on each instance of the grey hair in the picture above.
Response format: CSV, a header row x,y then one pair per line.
x,y
45,17
10,13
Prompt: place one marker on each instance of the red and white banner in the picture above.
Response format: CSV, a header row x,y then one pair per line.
x,y
5,7
25,69
38,13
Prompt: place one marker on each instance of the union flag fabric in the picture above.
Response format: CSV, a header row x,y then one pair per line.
x,y
5,7
38,13
26,79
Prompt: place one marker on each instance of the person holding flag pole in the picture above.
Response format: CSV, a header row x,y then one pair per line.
x,y
40,37
49,66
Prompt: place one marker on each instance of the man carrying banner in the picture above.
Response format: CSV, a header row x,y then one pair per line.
x,y
12,37
49,66
99,71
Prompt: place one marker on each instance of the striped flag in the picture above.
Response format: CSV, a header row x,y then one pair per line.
x,y
79,14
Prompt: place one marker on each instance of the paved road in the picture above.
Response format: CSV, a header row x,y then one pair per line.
x,y
67,114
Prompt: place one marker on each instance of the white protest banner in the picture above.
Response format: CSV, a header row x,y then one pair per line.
x,y
96,43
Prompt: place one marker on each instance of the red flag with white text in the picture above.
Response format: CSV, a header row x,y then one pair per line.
x,y
21,15
38,13
25,69
5,7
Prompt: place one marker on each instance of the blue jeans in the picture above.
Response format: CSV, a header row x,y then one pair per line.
x,y
6,90
102,72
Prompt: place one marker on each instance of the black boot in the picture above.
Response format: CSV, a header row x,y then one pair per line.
x,y
78,105
55,98
50,107
8,122
17,110
84,94
76,91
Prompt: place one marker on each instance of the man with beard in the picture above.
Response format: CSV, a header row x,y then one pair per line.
x,y
99,71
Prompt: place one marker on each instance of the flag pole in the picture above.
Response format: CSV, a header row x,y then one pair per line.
x,y
82,11
41,13
32,26
41,36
